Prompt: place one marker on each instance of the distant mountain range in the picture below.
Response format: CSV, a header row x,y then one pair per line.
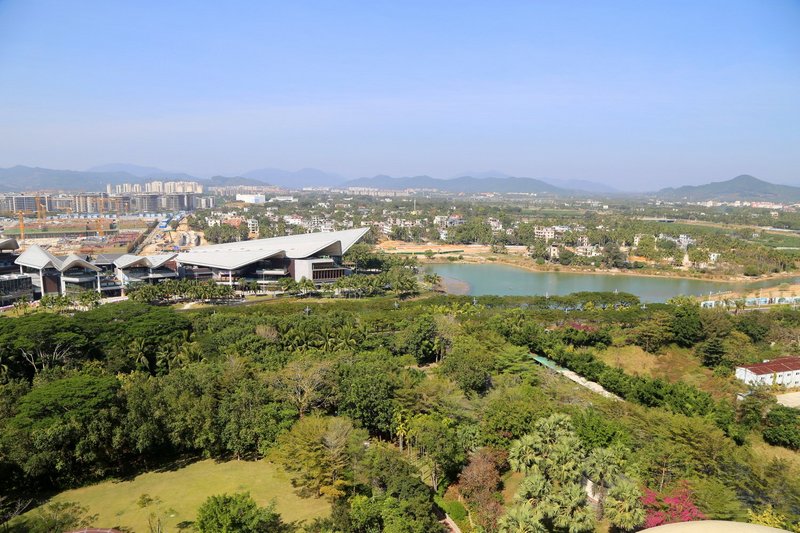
x,y
572,185
742,187
305,177
466,184
22,178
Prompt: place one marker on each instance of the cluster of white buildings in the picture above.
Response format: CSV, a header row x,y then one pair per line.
x,y
166,187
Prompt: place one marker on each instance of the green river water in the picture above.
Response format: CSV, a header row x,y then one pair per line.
x,y
505,280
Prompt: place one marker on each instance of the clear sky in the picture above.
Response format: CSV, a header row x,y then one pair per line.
x,y
634,94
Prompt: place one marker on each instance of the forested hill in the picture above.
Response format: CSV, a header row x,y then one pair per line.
x,y
464,184
742,187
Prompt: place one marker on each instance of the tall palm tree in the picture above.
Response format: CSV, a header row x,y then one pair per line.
x,y
400,423
623,506
521,519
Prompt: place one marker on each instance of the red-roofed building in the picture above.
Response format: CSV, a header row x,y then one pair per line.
x,y
782,371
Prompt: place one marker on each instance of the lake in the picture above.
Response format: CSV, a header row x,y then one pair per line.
x,y
505,280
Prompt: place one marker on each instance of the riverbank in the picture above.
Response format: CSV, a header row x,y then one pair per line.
x,y
518,256
780,290
528,264
483,278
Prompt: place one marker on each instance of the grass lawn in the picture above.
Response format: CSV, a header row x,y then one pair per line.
x,y
183,490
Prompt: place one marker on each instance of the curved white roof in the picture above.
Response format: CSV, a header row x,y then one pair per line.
x,y
146,261
235,255
8,243
39,258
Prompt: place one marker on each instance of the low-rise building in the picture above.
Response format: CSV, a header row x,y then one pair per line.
x,y
58,275
782,371
251,198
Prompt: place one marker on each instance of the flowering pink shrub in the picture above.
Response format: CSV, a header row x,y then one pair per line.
x,y
667,508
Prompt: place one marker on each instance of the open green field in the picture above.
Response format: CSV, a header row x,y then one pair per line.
x,y
672,364
183,490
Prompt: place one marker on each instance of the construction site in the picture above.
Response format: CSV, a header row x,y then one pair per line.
x,y
108,231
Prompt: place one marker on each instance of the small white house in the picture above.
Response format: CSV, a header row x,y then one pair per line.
x,y
782,371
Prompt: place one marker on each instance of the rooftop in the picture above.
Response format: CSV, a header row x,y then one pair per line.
x,y
235,255
39,258
782,364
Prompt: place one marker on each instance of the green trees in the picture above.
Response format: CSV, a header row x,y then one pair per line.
x,y
237,513
469,364
251,421
397,500
654,333
63,429
782,427
421,340
623,506
521,518
436,442
317,451
366,386
686,327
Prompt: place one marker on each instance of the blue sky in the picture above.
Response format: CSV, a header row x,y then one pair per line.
x,y
634,94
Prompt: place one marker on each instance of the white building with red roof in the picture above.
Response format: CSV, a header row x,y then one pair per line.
x,y
782,371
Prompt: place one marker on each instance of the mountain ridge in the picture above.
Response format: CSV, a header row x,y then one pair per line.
x,y
743,187
464,184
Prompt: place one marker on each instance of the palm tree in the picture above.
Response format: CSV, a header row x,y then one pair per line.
x,y
552,428
523,454
521,519
400,422
306,286
138,353
623,506
533,489
166,358
569,510
563,459
602,467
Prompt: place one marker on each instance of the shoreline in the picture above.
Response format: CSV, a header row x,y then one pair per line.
x,y
479,260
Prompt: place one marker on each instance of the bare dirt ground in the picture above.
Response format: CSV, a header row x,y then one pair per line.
x,y
790,399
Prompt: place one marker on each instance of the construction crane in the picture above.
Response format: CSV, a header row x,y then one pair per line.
x,y
21,215
41,209
100,220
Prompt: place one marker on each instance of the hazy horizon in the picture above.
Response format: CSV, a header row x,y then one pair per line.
x,y
638,96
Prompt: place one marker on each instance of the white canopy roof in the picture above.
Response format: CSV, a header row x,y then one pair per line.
x,y
146,261
235,255
8,243
39,258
